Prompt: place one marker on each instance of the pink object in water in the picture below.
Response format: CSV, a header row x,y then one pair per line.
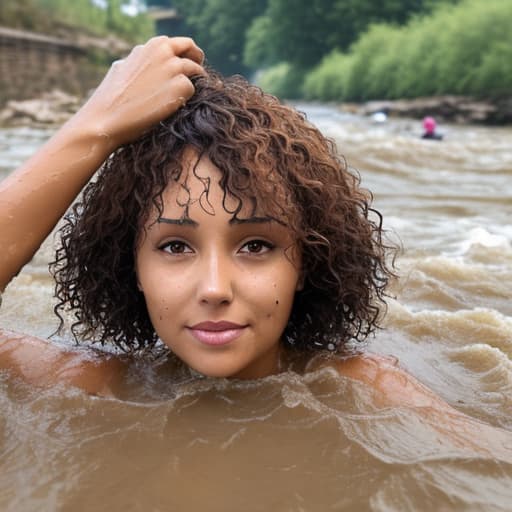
x,y
429,124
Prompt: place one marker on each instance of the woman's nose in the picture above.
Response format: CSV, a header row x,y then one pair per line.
x,y
215,280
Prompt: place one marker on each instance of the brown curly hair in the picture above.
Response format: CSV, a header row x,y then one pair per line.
x,y
268,154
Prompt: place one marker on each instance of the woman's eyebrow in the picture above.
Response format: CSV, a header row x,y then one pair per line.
x,y
187,221
252,220
183,221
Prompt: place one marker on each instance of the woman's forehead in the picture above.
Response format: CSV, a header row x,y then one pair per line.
x,y
200,185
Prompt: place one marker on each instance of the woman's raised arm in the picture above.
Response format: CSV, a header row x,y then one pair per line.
x,y
137,92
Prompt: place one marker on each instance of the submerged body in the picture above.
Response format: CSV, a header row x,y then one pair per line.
x,y
201,231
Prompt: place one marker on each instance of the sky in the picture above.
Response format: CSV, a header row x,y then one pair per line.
x,y
129,7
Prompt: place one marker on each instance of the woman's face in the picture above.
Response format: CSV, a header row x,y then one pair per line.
x,y
218,290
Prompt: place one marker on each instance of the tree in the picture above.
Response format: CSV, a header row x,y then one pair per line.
x,y
303,31
219,27
291,31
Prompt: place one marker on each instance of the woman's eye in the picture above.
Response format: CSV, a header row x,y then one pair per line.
x,y
256,247
176,247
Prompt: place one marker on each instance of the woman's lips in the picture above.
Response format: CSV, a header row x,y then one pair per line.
x,y
216,333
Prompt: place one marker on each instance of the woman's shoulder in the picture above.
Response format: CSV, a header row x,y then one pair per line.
x,y
392,384
43,363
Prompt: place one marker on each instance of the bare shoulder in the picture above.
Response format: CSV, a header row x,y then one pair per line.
x,y
393,385
43,363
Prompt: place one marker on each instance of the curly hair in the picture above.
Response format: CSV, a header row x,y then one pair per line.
x,y
268,154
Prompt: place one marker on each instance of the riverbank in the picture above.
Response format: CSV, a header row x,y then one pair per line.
x,y
50,109
453,109
55,107
31,64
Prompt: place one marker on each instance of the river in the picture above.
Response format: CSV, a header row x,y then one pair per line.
x,y
291,442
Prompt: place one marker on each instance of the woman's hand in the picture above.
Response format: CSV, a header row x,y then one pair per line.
x,y
147,86
151,83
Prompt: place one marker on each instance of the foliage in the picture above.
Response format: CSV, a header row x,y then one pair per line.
x,y
329,80
473,35
219,27
243,35
303,31
393,48
296,31
282,80
258,49
458,49
20,14
51,16
494,75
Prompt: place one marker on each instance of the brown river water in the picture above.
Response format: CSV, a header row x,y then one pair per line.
x,y
291,442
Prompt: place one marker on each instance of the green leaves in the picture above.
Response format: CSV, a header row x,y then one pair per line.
x,y
458,49
51,16
219,27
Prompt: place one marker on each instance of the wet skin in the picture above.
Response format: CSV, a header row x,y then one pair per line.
x,y
138,91
218,291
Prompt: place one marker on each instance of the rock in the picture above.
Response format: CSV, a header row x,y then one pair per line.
x,y
109,44
52,108
503,113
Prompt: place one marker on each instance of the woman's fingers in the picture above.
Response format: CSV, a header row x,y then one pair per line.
x,y
182,90
152,82
175,55
177,46
187,67
186,47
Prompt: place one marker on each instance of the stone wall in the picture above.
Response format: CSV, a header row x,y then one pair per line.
x,y
31,64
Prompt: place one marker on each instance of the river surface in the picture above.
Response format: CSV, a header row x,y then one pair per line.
x,y
290,442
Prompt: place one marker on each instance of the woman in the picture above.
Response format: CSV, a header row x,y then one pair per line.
x,y
230,231
222,223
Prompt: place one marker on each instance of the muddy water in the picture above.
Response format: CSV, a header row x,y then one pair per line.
x,y
302,443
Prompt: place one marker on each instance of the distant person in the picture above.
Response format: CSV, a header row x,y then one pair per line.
x,y
429,127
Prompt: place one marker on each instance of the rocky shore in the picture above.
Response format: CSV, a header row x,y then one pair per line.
x,y
454,109
55,107
51,109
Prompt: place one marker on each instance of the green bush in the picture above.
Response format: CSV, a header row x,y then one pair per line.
x,y
459,49
494,75
282,80
328,81
417,60
363,53
474,29
378,66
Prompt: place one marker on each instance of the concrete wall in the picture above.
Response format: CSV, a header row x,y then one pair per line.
x,y
31,64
